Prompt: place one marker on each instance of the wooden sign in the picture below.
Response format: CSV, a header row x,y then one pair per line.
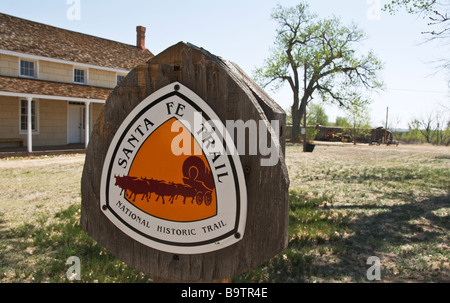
x,y
184,176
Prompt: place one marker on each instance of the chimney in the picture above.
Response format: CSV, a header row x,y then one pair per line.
x,y
140,41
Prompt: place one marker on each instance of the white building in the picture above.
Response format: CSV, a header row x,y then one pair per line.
x,y
54,82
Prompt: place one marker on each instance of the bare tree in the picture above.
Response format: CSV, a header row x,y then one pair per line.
x,y
425,125
437,12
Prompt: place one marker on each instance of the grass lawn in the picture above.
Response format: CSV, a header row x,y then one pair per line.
x,y
347,203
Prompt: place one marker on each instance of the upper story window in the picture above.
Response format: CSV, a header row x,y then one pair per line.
x,y
28,68
80,76
120,78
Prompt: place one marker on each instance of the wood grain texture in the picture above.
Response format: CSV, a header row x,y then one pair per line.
x,y
233,96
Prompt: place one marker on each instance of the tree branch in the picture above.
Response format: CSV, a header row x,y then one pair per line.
x,y
339,99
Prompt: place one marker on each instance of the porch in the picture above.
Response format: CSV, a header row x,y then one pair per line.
x,y
53,150
39,116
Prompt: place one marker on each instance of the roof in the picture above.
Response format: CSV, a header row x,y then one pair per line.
x,y
48,88
25,36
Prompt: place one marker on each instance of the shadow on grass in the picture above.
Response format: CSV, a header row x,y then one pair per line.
x,y
406,236
398,175
38,253
325,246
442,157
401,224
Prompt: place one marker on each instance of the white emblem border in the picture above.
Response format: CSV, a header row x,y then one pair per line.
x,y
230,236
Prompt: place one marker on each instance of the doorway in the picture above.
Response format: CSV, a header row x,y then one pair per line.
x,y
76,122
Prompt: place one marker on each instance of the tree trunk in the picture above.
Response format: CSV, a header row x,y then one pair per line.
x,y
296,117
303,114
298,113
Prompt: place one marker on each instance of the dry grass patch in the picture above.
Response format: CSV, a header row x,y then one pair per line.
x,y
347,203
351,202
40,224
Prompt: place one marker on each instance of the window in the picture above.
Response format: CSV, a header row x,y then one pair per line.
x,y
79,76
28,69
24,116
120,78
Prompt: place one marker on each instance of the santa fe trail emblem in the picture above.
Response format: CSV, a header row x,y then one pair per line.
x,y
172,178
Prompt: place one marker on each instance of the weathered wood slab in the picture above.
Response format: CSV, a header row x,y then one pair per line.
x,y
233,96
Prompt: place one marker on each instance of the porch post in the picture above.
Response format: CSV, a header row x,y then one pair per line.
x,y
29,126
87,124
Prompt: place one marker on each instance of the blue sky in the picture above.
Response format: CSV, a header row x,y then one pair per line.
x,y
242,31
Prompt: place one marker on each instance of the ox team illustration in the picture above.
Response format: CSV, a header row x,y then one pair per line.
x,y
198,184
172,179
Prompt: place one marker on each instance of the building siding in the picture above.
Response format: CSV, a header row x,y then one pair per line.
x,y
102,78
9,117
58,72
9,66
52,123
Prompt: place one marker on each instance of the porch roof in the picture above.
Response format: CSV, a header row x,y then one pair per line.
x,y
21,87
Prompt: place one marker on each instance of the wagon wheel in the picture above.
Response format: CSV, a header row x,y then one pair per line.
x,y
199,198
208,198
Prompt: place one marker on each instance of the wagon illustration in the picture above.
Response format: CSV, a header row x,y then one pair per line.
x,y
196,175
198,184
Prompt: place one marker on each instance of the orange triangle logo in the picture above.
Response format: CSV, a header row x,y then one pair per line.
x,y
171,187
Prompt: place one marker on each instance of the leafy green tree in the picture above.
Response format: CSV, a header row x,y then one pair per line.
x,y
446,135
317,57
342,121
316,115
358,116
414,134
